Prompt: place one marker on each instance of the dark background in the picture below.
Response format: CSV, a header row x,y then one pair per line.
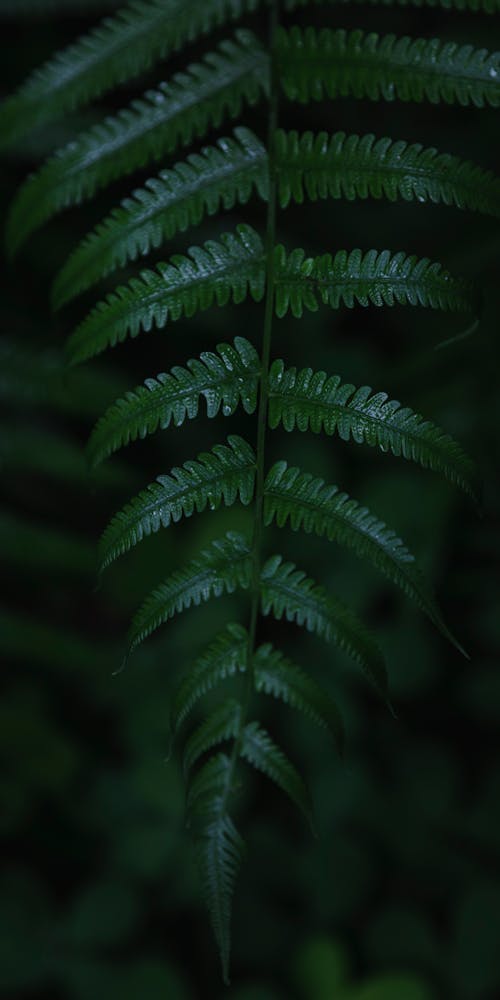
x,y
399,898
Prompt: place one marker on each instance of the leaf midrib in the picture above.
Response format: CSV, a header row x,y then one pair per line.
x,y
387,65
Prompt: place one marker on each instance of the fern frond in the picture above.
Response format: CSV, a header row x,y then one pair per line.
x,y
218,177
225,657
288,592
219,847
218,570
210,275
196,100
223,723
277,676
313,400
116,51
351,166
222,475
379,278
316,64
223,380
310,505
259,750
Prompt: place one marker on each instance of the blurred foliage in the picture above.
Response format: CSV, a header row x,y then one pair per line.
x,y
399,898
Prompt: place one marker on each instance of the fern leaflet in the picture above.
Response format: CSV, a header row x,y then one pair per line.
x,y
220,476
235,265
307,166
117,50
259,750
312,400
226,565
352,166
219,847
287,592
212,274
222,724
310,505
375,278
174,114
223,380
174,201
277,676
225,657
314,64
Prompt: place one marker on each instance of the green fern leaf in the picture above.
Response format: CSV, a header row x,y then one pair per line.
x,y
235,265
223,380
219,847
310,505
221,475
287,592
312,400
218,177
116,51
277,676
317,64
353,166
221,569
378,278
173,115
212,274
225,657
308,165
259,750
224,723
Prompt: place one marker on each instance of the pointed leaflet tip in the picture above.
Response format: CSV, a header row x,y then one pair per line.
x,y
121,668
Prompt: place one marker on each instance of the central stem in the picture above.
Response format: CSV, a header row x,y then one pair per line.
x,y
258,525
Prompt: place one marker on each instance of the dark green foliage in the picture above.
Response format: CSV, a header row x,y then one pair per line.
x,y
351,166
155,125
218,570
374,278
223,380
307,167
223,724
227,270
259,750
215,274
177,199
282,168
225,657
288,593
307,503
279,677
117,50
314,64
312,400
220,476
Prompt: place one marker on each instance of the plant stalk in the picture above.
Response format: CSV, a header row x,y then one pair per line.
x,y
258,524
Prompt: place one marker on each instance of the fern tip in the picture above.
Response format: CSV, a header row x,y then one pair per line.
x,y
123,664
